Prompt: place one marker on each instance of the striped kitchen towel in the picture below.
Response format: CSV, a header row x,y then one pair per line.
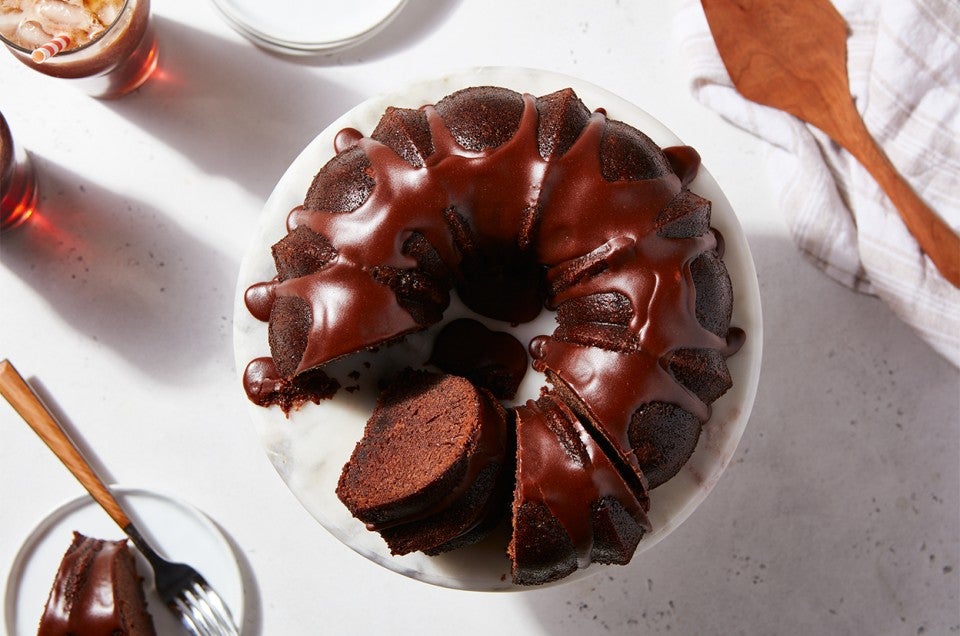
x,y
903,60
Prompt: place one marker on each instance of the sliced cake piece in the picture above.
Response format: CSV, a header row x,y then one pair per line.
x,y
571,505
96,591
427,467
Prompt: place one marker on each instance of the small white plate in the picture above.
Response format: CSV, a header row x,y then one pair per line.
x,y
317,26
175,529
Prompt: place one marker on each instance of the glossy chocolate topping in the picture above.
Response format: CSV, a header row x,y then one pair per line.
x,y
561,466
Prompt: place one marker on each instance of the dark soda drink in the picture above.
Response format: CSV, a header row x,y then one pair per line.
x,y
18,184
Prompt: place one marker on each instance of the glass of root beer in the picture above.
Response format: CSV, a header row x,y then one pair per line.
x,y
106,47
18,184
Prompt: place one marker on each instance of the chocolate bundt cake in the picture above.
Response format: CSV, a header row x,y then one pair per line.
x,y
572,505
426,473
96,591
516,203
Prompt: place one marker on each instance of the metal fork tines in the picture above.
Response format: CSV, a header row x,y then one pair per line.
x,y
186,593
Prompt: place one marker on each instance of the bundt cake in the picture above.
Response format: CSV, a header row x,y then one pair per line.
x,y
516,203
425,474
96,591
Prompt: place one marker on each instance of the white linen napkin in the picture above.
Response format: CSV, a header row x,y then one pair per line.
x,y
903,61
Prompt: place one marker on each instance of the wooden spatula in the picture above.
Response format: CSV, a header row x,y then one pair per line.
x,y
793,56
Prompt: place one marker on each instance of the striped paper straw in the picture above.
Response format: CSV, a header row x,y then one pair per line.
x,y
50,49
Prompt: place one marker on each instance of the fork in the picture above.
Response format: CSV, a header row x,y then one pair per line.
x,y
184,591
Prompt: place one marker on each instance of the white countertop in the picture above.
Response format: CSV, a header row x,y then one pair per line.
x,y
840,511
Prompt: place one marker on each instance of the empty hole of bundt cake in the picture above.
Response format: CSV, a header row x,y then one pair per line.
x,y
500,282
663,437
507,287
493,360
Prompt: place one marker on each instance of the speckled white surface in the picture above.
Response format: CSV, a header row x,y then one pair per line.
x,y
310,447
839,512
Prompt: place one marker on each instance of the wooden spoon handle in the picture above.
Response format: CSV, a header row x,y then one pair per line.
x,y
935,237
19,394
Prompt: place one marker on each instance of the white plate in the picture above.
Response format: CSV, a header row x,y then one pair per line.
x,y
175,529
310,448
315,26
